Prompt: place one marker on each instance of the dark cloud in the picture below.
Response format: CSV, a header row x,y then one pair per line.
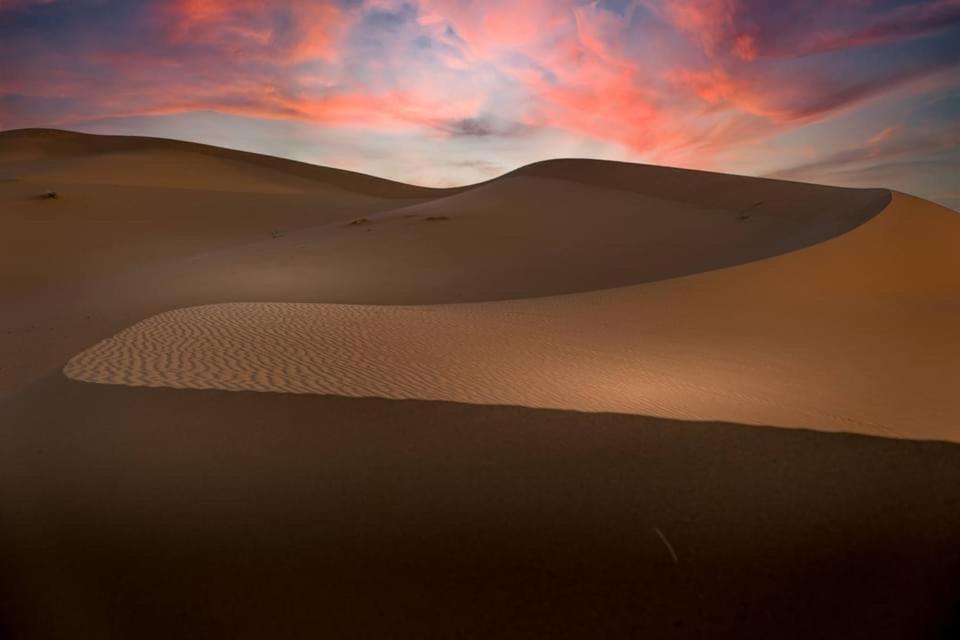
x,y
480,127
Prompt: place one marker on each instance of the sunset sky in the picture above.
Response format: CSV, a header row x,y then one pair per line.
x,y
442,92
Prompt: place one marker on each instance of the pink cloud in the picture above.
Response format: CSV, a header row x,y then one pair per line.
x,y
735,27
497,26
712,78
245,28
12,5
713,24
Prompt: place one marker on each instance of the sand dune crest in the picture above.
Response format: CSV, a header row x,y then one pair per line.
x,y
782,341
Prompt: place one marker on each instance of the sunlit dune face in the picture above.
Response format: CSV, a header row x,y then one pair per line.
x,y
729,85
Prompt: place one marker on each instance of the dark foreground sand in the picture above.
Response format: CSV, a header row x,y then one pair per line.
x,y
162,513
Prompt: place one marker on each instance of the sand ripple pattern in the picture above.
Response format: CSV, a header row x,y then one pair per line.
x,y
392,352
823,338
480,354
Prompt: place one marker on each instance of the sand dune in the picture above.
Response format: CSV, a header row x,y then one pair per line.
x,y
806,332
132,512
160,484
820,338
123,203
152,161
144,226
533,232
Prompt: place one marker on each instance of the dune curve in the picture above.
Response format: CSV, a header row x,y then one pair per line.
x,y
84,157
199,469
143,225
855,334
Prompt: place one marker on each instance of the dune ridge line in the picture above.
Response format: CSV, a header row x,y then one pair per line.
x,y
782,341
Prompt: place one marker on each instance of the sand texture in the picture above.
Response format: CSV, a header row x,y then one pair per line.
x,y
784,341
144,226
244,397
152,513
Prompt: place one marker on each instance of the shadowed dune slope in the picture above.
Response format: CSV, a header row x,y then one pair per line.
x,y
159,513
143,225
524,235
858,333
61,154
517,409
554,227
123,203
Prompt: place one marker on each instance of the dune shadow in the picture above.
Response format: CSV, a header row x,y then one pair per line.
x,y
158,513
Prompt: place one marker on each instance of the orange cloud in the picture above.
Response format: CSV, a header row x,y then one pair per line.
x,y
249,28
687,79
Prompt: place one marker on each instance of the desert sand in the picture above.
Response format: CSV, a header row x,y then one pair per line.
x,y
111,251
784,342
245,397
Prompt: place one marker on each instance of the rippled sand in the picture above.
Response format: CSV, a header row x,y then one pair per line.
x,y
144,226
201,475
820,338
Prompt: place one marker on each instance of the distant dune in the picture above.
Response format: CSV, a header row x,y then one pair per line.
x,y
247,397
80,157
144,226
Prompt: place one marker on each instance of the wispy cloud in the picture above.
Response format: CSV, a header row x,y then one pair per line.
x,y
888,144
681,82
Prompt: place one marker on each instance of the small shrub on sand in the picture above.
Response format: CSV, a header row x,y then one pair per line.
x,y
359,221
50,195
745,214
